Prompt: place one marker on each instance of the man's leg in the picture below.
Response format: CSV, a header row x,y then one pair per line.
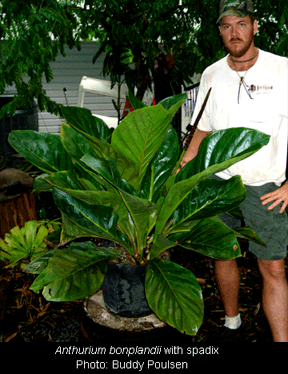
x,y
228,280
275,297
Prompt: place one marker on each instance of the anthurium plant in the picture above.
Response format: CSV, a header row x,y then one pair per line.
x,y
123,187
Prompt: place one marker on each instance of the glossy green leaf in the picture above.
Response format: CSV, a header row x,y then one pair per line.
x,y
82,120
174,295
74,273
40,263
224,148
64,181
43,150
74,143
249,234
210,237
107,168
209,198
71,231
236,213
41,185
139,136
77,187
136,103
140,211
93,129
104,151
161,167
97,220
138,140
77,146
170,101
249,141
160,244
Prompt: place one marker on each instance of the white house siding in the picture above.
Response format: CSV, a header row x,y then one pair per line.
x,y
67,73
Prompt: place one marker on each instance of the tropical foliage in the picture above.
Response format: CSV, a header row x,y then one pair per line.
x,y
22,245
132,35
123,188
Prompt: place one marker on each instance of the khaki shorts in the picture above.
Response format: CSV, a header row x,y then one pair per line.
x,y
270,225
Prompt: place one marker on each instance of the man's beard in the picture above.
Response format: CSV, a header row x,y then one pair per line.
x,y
238,52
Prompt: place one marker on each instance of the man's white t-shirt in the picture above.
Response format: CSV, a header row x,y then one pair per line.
x,y
267,82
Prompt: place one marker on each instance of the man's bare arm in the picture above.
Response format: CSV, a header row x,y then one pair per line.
x,y
193,148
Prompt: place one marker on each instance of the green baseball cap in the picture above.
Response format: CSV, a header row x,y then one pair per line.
x,y
236,8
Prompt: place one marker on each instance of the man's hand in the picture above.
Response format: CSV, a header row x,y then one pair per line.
x,y
193,147
278,196
182,163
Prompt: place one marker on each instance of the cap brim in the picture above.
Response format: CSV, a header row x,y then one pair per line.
x,y
233,12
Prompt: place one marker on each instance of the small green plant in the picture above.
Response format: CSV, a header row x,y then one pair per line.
x,y
124,188
52,225
21,246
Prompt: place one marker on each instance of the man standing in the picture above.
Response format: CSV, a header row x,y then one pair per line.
x,y
249,89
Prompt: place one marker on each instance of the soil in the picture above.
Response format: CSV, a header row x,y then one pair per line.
x,y
27,317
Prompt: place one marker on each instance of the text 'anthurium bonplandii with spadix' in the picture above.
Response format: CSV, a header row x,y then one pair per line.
x,y
123,187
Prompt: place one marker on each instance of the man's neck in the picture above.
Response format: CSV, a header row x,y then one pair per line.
x,y
245,62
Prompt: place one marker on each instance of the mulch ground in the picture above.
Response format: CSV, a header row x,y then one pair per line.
x,y
27,317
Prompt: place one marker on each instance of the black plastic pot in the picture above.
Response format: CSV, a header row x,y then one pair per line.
x,y
124,290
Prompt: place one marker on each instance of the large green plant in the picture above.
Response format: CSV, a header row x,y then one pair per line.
x,y
124,189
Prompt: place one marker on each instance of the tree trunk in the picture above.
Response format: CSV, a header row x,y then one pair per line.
x,y
16,211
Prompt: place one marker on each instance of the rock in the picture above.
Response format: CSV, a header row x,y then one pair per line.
x,y
96,310
13,182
